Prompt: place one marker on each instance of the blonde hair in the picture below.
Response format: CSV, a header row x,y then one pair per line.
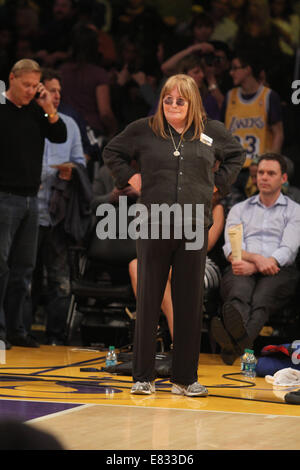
x,y
196,115
25,65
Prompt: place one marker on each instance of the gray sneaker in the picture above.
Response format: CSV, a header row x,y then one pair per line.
x,y
143,388
193,390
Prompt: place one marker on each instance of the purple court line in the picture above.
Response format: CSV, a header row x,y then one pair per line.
x,y
22,410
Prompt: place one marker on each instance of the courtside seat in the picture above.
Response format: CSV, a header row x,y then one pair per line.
x,y
99,278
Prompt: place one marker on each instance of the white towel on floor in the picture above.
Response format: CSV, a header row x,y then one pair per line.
x,y
285,378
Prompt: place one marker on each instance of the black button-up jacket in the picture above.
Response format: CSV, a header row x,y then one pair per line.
x,y
184,179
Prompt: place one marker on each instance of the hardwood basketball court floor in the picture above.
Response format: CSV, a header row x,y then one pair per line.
x,y
63,390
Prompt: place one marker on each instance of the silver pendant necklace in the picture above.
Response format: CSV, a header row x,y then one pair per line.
x,y
176,152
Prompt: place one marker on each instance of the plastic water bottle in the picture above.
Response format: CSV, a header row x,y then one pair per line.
x,y
111,357
243,361
248,364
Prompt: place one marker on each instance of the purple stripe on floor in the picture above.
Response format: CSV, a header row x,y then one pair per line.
x,y
25,410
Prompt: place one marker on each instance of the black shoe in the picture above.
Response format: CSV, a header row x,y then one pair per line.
x,y
220,334
24,341
234,324
293,398
228,348
229,357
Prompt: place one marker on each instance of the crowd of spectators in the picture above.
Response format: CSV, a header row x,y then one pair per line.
x,y
135,40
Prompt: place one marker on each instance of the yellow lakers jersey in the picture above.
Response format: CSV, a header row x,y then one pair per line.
x,y
247,120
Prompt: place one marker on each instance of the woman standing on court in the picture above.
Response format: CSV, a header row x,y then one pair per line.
x,y
175,150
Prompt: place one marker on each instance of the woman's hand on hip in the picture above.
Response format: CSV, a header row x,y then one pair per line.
x,y
136,182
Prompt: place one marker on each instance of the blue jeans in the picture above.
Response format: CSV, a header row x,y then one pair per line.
x,y
18,242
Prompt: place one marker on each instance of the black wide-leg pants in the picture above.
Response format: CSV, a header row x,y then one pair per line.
x,y
155,257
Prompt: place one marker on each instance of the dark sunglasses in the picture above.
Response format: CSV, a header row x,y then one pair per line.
x,y
179,101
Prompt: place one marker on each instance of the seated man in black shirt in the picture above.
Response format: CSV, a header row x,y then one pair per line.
x,y
26,119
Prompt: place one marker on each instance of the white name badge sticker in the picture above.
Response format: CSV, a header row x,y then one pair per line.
x,y
205,139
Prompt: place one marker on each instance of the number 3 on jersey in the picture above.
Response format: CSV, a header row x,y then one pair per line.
x,y
250,143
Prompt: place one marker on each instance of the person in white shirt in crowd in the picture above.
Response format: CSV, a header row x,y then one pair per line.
x,y
266,278
51,257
